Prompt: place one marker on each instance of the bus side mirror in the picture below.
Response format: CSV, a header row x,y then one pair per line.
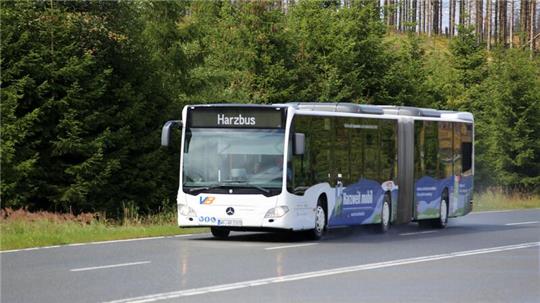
x,y
166,131
299,143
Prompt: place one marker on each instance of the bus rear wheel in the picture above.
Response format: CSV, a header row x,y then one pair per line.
x,y
385,216
320,223
442,221
220,233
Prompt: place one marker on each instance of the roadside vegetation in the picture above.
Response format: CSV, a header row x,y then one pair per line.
x,y
23,229
496,199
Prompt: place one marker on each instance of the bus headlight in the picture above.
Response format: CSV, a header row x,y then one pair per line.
x,y
276,212
186,211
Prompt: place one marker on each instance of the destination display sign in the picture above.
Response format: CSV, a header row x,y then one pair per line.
x,y
236,117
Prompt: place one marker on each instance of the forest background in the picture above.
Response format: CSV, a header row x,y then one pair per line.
x,y
86,86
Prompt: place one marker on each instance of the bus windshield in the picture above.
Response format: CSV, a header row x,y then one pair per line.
x,y
243,158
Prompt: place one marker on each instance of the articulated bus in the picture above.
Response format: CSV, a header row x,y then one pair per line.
x,y
313,166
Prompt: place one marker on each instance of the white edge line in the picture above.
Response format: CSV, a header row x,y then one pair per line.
x,y
521,223
290,246
501,211
109,266
316,274
419,233
101,242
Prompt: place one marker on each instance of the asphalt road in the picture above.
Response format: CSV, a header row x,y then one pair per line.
x,y
483,257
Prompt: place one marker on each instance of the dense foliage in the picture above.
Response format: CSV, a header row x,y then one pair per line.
x,y
86,86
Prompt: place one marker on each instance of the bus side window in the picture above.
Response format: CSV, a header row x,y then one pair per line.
x,y
388,149
445,149
302,174
466,148
457,149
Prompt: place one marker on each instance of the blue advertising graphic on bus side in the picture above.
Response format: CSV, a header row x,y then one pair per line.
x,y
428,192
359,203
461,195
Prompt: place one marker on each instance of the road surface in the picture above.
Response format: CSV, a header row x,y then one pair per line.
x,y
482,257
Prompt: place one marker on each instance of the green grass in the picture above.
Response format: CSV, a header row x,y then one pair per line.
x,y
496,200
23,231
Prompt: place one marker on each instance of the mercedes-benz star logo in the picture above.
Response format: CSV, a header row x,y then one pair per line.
x,y
230,211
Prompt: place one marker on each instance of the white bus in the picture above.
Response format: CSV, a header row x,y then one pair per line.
x,y
313,166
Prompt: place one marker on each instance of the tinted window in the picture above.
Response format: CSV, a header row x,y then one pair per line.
x,y
445,149
388,150
356,148
457,148
466,148
314,165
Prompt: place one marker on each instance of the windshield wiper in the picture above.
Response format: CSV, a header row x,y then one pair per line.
x,y
229,183
246,184
213,186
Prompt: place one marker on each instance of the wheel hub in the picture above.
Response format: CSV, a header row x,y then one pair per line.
x,y
385,213
319,220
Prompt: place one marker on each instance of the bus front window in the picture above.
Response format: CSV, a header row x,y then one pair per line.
x,y
233,157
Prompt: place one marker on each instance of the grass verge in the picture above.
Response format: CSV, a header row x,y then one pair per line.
x,y
22,229
497,200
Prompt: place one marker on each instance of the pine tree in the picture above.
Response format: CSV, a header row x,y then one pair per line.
x,y
512,148
82,109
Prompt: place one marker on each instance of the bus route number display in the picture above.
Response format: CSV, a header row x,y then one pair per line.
x,y
236,117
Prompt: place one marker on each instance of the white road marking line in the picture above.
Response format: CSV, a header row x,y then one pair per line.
x,y
317,274
102,242
521,223
501,211
419,233
290,246
110,266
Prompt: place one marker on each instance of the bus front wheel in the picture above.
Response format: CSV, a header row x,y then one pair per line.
x,y
320,223
220,233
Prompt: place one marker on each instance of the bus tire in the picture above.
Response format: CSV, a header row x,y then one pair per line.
x,y
385,215
320,222
442,221
220,233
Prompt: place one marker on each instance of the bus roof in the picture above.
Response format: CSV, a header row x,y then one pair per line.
x,y
344,107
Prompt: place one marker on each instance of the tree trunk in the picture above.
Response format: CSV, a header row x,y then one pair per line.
x,y
479,21
454,10
511,35
414,14
420,15
532,11
462,12
488,24
523,7
429,18
435,15
496,23
424,14
407,15
441,17
504,16
396,14
469,12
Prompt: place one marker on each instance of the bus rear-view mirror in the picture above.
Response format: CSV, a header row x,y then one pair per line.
x,y
166,131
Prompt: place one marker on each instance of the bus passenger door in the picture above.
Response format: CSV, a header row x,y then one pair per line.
x,y
463,179
466,182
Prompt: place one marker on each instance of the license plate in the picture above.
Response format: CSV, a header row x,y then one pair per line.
x,y
229,222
